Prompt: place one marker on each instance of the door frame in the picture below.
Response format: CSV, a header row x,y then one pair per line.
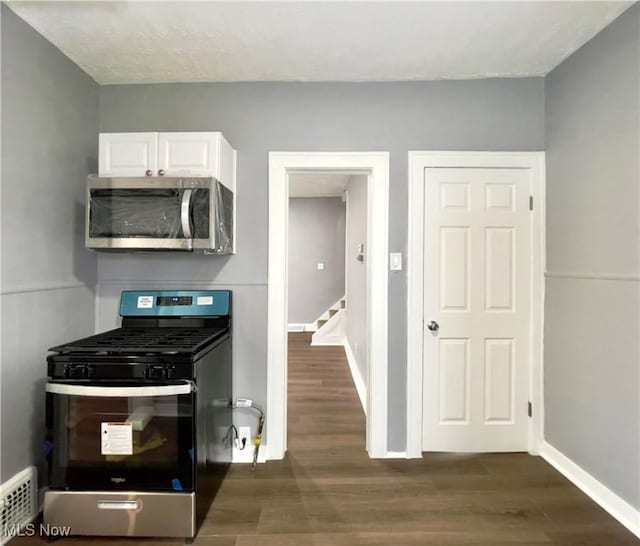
x,y
376,166
418,162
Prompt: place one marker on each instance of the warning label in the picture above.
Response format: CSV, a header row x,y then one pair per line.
x,y
117,439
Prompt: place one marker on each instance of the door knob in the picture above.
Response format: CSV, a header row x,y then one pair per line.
x,y
161,172
148,172
433,326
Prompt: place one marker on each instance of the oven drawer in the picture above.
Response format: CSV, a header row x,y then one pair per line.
x,y
134,514
121,437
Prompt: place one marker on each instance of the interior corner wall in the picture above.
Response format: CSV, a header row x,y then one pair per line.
x,y
592,308
49,145
356,272
316,235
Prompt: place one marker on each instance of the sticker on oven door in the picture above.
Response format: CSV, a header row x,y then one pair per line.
x,y
145,302
204,300
116,439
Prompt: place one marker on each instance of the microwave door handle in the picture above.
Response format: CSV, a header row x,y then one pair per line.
x,y
185,207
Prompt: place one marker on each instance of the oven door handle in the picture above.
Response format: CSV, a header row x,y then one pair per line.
x,y
125,392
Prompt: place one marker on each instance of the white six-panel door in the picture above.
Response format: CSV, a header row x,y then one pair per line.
x,y
477,275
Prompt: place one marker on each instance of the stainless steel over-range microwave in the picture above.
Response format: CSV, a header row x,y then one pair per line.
x,y
159,213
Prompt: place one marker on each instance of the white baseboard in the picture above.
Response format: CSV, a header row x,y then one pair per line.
x,y
302,327
358,381
396,455
600,493
246,455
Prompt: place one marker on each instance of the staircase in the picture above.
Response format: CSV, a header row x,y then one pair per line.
x,y
331,325
321,322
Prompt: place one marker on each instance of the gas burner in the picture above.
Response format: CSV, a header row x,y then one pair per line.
x,y
149,341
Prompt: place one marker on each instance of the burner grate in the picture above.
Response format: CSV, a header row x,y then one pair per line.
x,y
145,340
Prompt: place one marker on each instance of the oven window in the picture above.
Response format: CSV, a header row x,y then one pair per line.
x,y
153,424
121,442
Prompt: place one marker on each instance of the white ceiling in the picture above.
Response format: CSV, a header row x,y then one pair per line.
x,y
318,184
149,42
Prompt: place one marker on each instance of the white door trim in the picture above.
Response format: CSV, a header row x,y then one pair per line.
x,y
376,166
418,161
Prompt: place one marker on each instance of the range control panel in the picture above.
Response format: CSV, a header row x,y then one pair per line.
x,y
175,303
96,371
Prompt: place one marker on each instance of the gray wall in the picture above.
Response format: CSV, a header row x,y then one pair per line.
x,y
592,352
49,144
316,235
498,114
356,272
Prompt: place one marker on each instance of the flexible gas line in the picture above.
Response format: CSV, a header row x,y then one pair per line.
x,y
258,439
248,403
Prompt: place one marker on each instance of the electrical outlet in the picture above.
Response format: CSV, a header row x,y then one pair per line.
x,y
355,348
244,432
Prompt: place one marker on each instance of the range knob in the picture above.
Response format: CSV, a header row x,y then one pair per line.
x,y
156,372
76,371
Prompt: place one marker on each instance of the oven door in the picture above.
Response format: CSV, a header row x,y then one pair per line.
x,y
121,437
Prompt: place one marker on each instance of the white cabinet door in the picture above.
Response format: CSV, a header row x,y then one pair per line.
x,y
128,154
189,154
477,290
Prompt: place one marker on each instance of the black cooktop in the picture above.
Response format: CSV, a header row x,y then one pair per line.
x,y
123,341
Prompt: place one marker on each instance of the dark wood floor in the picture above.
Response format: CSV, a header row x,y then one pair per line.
x,y
328,492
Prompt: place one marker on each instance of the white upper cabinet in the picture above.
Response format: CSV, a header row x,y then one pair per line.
x,y
195,154
167,154
128,154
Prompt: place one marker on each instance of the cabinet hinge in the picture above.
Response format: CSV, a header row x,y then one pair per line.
x,y
529,409
531,202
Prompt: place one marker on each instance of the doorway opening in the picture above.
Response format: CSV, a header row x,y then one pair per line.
x,y
371,169
327,330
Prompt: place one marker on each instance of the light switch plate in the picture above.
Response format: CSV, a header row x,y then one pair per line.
x,y
395,260
320,267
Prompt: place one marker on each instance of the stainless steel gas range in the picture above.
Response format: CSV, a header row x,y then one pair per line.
x,y
138,418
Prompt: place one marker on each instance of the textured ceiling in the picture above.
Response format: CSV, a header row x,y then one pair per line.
x,y
149,42
318,184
